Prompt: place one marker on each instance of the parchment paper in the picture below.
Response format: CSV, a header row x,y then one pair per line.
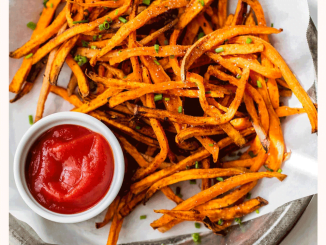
x,y
301,168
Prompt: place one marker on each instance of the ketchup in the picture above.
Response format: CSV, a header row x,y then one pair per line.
x,y
69,169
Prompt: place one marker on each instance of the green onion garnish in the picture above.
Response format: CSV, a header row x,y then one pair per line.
x,y
257,211
200,35
192,181
84,43
104,26
195,237
226,40
251,154
220,179
201,2
29,56
51,5
138,127
125,77
94,38
157,48
269,169
179,195
166,42
156,62
197,225
81,60
119,52
259,84
93,47
211,145
171,56
196,164
116,12
45,2
208,92
238,220
180,109
279,170
167,99
158,97
238,76
31,25
219,50
248,195
248,40
147,2
220,222
30,119
143,216
272,25
123,20
80,21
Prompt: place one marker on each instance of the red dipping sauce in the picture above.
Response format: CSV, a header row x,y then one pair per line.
x,y
69,169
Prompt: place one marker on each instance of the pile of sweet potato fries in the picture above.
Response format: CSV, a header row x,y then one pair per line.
x,y
182,85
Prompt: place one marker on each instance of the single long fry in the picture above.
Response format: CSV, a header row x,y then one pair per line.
x,y
81,78
73,99
191,174
284,111
216,190
167,191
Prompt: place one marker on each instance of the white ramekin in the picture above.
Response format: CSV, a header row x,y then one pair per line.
x,y
43,125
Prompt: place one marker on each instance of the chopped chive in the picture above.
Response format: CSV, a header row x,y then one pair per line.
x,y
156,62
94,38
259,84
93,47
200,35
158,97
192,181
171,56
269,169
147,2
84,43
201,2
104,26
45,2
123,20
251,154
196,164
119,52
179,195
219,50
197,225
116,12
272,24
157,48
30,119
220,222
80,21
220,179
208,92
180,109
248,195
211,145
29,56
279,170
266,79
51,5
178,190
196,237
248,40
106,8
167,99
166,42
31,25
238,76
238,220
125,77
257,211
138,127
81,60
226,40
143,216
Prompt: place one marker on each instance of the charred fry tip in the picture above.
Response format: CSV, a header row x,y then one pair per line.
x,y
262,201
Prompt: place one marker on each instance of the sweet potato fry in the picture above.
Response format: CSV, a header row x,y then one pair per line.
x,y
216,190
132,204
109,213
81,78
205,182
72,84
222,12
191,174
284,111
167,191
215,215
